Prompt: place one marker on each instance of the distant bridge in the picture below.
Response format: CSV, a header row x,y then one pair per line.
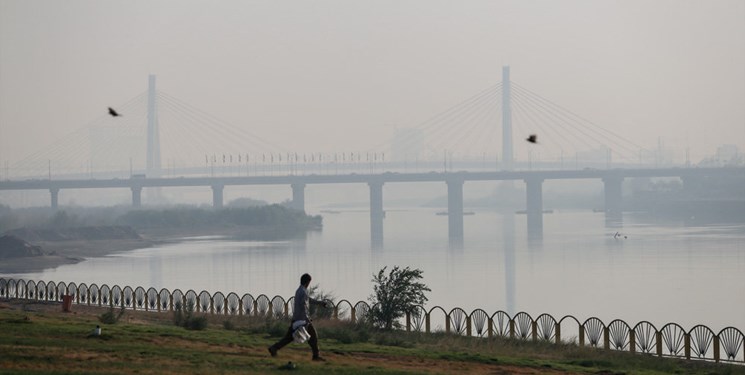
x,y
612,180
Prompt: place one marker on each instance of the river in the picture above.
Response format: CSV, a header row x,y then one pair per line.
x,y
658,272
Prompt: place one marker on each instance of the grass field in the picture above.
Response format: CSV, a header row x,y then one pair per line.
x,y
38,338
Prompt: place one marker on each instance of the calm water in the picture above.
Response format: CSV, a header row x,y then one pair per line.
x,y
660,273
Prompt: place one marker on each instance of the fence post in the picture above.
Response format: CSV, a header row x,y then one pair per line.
x,y
256,308
606,338
490,328
447,323
336,312
632,341
468,326
408,321
687,345
558,333
426,322
534,327
716,349
512,329
354,315
658,339
581,335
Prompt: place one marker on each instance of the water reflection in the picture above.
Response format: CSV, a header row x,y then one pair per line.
x,y
661,273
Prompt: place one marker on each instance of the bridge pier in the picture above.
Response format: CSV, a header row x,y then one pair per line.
x,y
136,196
613,188
217,195
298,196
55,197
455,210
376,214
534,206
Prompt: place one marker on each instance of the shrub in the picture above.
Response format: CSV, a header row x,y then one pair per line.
x,y
110,317
183,316
396,294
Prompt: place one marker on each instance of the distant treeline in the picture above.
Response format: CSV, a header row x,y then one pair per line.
x,y
273,215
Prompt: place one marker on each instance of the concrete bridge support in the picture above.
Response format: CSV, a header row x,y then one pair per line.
x,y
137,196
455,210
534,205
613,187
298,197
217,191
376,214
55,197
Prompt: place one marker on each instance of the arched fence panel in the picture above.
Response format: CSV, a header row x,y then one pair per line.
x,y
107,295
262,305
645,338
22,289
191,300
94,295
417,319
479,323
617,335
233,305
700,343
436,320
165,300
247,304
128,297
277,307
501,324
522,326
11,289
152,298
59,291
362,311
673,340
4,288
457,321
342,310
178,300
72,290
592,332
218,303
204,302
31,290
568,330
51,291
140,299
545,327
83,294
732,344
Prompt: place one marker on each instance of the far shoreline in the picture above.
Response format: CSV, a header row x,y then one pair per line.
x,y
61,253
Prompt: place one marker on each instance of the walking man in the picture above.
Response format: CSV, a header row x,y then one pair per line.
x,y
300,313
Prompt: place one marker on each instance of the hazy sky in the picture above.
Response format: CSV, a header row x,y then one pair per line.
x,y
325,75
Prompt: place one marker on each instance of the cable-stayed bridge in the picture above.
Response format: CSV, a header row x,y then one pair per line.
x,y
161,135
464,143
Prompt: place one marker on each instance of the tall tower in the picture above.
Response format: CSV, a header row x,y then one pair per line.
x,y
153,134
506,119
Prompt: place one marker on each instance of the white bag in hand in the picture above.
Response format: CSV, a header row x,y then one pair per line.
x,y
299,333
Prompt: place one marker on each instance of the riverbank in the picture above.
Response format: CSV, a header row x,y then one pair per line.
x,y
61,249
39,338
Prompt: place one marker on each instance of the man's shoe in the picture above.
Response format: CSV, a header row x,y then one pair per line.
x,y
319,359
272,351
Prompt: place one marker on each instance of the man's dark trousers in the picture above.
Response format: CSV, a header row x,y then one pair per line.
x,y
312,341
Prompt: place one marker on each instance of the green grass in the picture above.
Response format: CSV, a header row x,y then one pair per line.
x,y
47,341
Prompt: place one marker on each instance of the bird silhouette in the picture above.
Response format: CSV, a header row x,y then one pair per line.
x,y
113,113
532,138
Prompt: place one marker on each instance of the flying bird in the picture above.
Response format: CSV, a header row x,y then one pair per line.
x,y
113,113
532,138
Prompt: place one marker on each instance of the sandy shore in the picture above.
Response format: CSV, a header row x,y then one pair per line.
x,y
69,252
